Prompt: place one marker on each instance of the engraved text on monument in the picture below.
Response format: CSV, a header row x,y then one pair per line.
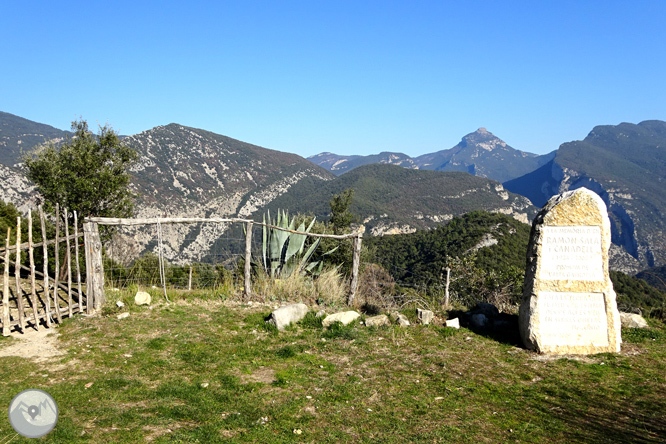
x,y
571,253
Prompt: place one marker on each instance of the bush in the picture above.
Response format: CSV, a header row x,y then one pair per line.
x,y
376,290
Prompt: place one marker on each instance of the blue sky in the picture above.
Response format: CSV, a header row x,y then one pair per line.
x,y
350,77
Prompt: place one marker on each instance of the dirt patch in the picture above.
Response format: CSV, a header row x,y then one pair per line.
x,y
39,346
263,374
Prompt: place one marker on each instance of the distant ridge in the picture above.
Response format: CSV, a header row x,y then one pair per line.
x,y
626,165
480,153
390,199
190,171
18,134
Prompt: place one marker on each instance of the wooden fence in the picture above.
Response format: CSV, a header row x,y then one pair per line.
x,y
95,277
34,299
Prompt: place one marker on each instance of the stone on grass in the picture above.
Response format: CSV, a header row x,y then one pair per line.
x,y
123,315
399,319
142,298
377,321
425,316
284,316
632,320
321,314
452,323
346,317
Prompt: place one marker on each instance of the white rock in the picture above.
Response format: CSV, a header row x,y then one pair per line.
x,y
120,304
425,316
284,316
345,317
400,319
377,321
142,298
631,320
123,315
452,323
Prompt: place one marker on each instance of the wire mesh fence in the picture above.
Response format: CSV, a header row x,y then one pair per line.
x,y
458,283
201,253
196,255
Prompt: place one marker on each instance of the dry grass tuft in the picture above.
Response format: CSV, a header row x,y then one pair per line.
x,y
328,288
376,290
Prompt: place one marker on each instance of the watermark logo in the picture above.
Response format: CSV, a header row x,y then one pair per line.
x,y
33,413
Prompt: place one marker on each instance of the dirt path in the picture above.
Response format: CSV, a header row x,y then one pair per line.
x,y
36,345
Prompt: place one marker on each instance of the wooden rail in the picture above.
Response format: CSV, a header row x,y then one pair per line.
x,y
94,221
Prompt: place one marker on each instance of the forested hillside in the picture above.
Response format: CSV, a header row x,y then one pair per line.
x,y
624,164
486,255
389,199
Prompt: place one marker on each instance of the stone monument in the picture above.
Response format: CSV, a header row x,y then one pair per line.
x,y
569,304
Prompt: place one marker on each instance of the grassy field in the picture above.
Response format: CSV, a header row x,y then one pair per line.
x,y
205,370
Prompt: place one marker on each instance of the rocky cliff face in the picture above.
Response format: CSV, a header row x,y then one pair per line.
x,y
18,135
626,166
188,171
17,189
191,172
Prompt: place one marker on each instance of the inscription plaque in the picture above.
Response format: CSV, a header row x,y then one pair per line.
x,y
571,253
573,319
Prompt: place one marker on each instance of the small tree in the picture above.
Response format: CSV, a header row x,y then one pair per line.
x,y
88,174
341,217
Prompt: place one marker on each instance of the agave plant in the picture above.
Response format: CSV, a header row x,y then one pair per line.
x,y
283,252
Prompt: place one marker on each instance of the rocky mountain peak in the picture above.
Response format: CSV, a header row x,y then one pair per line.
x,y
482,138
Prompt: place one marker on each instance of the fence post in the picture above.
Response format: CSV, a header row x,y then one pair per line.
x,y
94,266
46,293
78,265
5,289
248,258
56,302
33,285
17,275
68,257
355,266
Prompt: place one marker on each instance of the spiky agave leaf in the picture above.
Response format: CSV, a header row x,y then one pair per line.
x,y
308,254
296,242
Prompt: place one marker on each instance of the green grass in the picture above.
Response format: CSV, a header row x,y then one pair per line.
x,y
206,371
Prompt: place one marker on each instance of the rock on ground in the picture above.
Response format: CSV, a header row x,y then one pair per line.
x,y
452,323
425,316
631,320
142,298
377,321
284,316
400,319
346,317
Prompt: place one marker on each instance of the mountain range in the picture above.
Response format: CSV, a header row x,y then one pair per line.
x,y
480,153
189,171
626,165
